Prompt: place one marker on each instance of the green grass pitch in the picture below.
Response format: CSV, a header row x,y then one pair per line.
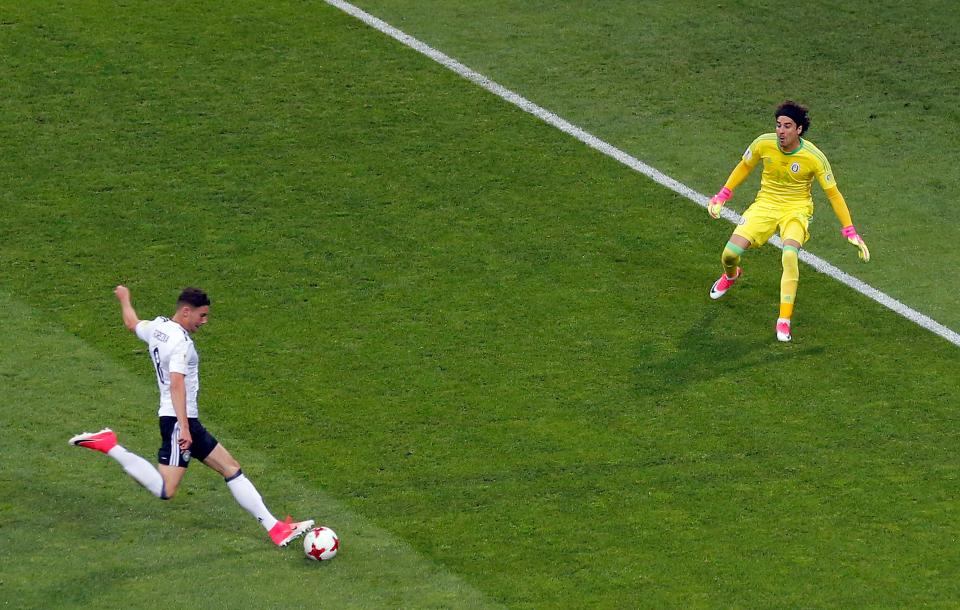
x,y
480,351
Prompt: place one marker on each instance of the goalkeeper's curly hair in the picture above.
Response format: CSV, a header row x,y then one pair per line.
x,y
797,112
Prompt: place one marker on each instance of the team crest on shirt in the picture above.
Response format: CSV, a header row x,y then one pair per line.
x,y
795,168
160,336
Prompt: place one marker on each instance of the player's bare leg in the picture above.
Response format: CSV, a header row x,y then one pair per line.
x,y
172,475
247,496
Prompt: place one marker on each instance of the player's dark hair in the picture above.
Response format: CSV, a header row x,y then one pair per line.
x,y
797,112
194,297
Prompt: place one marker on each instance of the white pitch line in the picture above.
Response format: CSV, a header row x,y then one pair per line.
x,y
632,162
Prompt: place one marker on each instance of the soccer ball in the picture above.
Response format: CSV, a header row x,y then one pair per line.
x,y
321,544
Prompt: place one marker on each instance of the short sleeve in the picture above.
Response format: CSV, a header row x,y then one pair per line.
x,y
825,175
143,330
753,154
179,357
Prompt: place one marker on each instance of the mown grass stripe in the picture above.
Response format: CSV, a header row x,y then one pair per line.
x,y
96,539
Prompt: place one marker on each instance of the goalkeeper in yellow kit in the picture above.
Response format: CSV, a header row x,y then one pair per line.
x,y
784,203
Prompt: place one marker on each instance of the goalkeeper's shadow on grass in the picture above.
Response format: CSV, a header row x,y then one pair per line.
x,y
703,352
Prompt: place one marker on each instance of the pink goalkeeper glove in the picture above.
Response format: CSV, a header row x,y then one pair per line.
x,y
851,234
716,202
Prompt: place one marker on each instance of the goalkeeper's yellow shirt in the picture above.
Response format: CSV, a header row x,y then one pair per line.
x,y
788,177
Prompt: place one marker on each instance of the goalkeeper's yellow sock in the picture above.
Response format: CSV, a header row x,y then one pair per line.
x,y
789,280
731,259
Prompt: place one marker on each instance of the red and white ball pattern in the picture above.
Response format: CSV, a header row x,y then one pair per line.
x,y
321,544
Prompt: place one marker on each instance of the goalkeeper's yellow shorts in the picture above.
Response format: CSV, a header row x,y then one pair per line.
x,y
761,221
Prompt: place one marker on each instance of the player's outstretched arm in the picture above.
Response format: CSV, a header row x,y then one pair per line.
x,y
850,232
738,175
840,208
130,319
716,202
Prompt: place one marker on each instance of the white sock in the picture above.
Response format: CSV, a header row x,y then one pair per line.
x,y
140,469
249,498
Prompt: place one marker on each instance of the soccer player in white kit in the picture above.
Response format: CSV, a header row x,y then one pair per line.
x,y
183,437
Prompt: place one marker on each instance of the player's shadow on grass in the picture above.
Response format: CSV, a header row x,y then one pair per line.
x,y
705,352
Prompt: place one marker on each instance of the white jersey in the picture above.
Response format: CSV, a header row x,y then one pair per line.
x,y
172,351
